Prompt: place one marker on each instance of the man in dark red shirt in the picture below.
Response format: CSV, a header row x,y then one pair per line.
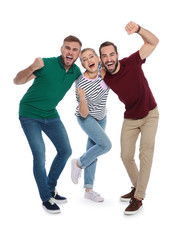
x,y
127,80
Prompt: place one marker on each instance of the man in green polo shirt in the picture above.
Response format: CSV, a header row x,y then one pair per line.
x,y
53,77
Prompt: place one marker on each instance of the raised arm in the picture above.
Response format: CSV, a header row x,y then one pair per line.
x,y
27,74
83,107
150,40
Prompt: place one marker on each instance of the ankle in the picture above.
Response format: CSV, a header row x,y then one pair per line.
x,y
77,164
88,189
138,198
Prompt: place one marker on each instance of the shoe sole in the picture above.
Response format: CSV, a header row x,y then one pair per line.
x,y
59,201
132,212
125,199
52,211
94,200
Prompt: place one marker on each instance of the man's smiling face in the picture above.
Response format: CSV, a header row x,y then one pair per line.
x,y
70,52
109,58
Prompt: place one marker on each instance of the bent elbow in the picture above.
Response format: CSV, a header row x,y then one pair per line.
x,y
15,81
156,42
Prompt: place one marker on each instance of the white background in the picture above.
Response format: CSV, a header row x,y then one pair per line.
x,y
37,28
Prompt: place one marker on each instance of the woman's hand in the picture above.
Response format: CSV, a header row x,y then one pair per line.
x,y
81,93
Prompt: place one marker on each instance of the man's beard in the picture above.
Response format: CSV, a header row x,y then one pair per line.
x,y
112,71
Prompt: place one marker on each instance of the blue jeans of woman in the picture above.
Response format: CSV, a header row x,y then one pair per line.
x,y
56,132
98,143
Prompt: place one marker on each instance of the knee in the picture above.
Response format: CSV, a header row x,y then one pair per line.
x,y
127,157
127,152
38,157
107,146
69,152
66,152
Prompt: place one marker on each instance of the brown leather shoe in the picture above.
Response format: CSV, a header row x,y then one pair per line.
x,y
127,197
134,206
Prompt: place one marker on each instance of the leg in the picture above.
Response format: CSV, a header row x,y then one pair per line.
x,y
95,132
148,132
32,130
129,135
55,130
89,172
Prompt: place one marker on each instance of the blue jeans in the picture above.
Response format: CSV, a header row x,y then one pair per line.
x,y
98,143
56,132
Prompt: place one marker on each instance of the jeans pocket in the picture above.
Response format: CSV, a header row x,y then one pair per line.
x,y
26,120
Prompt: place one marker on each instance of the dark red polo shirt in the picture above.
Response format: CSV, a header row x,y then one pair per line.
x,y
132,87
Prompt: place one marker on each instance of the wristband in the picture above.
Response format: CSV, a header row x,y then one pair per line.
x,y
139,28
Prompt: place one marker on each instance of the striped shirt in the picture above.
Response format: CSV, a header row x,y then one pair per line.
x,y
96,92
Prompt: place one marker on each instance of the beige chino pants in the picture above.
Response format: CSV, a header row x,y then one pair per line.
x,y
130,131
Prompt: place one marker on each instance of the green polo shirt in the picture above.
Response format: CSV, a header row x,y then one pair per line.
x,y
48,88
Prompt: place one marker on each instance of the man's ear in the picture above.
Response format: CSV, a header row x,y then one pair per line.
x,y
61,49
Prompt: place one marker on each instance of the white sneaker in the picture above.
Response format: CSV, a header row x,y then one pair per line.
x,y
94,196
75,171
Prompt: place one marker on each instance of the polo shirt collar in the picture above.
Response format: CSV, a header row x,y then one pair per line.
x,y
60,61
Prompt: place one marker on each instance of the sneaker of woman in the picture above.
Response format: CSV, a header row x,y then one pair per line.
x,y
94,196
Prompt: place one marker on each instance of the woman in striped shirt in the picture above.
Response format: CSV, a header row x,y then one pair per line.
x,y
91,94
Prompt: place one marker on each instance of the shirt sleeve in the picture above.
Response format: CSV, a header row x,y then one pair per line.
x,y
77,97
38,72
78,72
135,59
76,86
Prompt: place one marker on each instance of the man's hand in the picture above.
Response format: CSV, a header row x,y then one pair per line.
x,y
37,64
150,40
131,27
103,72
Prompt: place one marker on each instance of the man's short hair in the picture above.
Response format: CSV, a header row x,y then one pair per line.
x,y
71,38
106,44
